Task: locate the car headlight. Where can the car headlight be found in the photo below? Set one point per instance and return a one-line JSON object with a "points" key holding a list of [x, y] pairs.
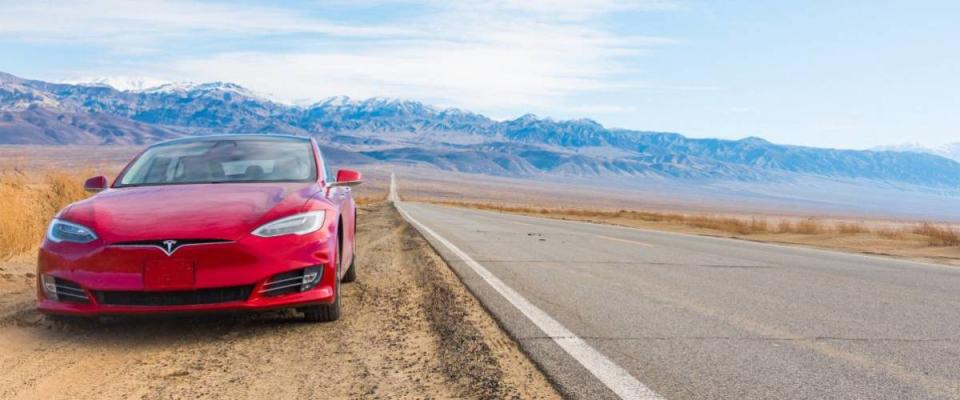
{"points": [[299, 224], [63, 231]]}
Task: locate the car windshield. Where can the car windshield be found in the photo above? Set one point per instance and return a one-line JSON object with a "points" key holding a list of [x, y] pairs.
{"points": [[223, 161]]}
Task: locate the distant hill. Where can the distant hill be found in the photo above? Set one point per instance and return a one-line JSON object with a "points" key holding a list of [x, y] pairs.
{"points": [[400, 131], [949, 150]]}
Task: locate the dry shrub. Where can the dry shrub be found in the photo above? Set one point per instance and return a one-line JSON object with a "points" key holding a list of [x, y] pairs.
{"points": [[364, 200], [809, 226], [18, 208], [892, 233], [723, 224], [26, 207], [658, 217], [59, 190], [758, 225], [785, 226], [938, 235], [852, 228]]}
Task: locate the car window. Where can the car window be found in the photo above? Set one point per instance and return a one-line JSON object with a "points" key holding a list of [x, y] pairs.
{"points": [[328, 175], [222, 161]]}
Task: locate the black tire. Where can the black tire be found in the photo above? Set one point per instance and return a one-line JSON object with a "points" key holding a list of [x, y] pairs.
{"points": [[326, 312], [351, 275]]}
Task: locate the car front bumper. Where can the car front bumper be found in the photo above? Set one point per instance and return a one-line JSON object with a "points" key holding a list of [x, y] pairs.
{"points": [[226, 276]]}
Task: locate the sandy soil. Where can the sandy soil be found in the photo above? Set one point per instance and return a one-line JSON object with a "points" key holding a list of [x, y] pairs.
{"points": [[409, 330]]}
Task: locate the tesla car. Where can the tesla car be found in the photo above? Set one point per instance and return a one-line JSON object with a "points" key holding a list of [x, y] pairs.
{"points": [[214, 223]]}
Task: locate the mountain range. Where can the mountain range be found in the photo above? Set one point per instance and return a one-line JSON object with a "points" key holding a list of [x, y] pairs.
{"points": [[948, 150], [410, 132]]}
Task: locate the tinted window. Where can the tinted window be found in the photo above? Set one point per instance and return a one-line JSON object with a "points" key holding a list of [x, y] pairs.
{"points": [[327, 174], [218, 161]]}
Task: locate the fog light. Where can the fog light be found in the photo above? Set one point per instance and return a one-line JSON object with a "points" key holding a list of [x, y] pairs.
{"points": [[311, 277], [49, 287]]}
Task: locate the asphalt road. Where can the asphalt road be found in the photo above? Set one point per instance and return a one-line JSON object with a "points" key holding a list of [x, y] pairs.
{"points": [[693, 317]]}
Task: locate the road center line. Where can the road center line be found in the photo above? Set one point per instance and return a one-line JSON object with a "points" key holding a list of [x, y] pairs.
{"points": [[610, 374]]}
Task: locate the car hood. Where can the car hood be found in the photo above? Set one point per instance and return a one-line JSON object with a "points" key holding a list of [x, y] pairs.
{"points": [[201, 211]]}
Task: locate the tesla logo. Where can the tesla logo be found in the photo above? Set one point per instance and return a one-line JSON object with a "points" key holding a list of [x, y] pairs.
{"points": [[169, 246]]}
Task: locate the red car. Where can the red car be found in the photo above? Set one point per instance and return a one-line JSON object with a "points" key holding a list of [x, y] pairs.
{"points": [[215, 223]]}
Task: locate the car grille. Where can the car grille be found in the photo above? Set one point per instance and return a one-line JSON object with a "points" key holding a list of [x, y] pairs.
{"points": [[169, 246], [70, 292], [161, 244], [177, 298]]}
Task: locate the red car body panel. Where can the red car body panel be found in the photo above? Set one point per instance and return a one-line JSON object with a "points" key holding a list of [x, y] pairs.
{"points": [[221, 217]]}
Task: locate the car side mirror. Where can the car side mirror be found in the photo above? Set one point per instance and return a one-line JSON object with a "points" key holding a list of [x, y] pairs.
{"points": [[96, 184], [347, 177]]}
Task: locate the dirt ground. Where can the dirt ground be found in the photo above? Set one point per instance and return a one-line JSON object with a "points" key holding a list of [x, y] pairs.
{"points": [[409, 330]]}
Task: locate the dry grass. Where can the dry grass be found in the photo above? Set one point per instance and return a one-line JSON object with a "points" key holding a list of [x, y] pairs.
{"points": [[938, 235], [28, 203], [935, 235], [365, 200], [852, 228]]}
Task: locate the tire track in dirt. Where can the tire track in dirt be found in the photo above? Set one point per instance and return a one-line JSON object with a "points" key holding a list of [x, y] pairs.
{"points": [[409, 330]]}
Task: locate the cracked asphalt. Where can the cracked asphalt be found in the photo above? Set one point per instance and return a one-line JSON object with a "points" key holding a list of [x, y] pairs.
{"points": [[705, 318]]}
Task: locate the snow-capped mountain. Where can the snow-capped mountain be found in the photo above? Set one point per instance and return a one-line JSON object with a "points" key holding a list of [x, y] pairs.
{"points": [[121, 83], [947, 150], [403, 131]]}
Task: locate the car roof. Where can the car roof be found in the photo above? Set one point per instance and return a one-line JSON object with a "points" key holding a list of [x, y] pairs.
{"points": [[234, 136]]}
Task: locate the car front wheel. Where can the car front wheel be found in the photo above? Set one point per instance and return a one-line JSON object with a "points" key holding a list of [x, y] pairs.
{"points": [[326, 312], [351, 275]]}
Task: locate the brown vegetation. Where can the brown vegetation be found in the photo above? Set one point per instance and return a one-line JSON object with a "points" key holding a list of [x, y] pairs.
{"points": [[367, 200], [28, 203], [938, 235]]}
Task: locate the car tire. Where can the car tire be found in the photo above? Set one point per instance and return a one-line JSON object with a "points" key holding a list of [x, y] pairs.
{"points": [[351, 275], [326, 312]]}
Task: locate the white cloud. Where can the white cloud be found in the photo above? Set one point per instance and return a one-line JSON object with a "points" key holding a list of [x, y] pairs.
{"points": [[562, 9], [488, 56], [121, 22]]}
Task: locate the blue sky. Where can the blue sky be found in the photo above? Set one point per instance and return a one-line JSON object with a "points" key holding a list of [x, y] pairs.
{"points": [[848, 74]]}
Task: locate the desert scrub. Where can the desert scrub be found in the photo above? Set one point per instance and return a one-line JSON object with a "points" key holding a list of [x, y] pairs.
{"points": [[938, 235], [367, 200], [27, 205]]}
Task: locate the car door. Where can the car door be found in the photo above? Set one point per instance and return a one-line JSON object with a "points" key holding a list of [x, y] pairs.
{"points": [[342, 197]]}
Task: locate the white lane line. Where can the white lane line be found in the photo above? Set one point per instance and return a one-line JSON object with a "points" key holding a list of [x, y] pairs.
{"points": [[393, 197], [610, 374]]}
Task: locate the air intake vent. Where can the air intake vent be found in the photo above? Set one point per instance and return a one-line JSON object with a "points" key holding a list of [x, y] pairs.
{"points": [[178, 298], [70, 292], [293, 281]]}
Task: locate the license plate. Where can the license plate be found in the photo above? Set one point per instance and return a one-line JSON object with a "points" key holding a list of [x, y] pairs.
{"points": [[168, 274]]}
